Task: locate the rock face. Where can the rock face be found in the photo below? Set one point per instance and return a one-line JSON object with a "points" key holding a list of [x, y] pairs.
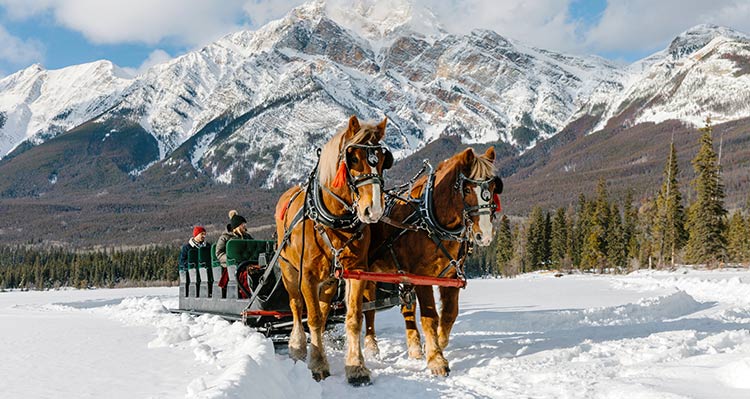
{"points": [[254, 105], [705, 71]]}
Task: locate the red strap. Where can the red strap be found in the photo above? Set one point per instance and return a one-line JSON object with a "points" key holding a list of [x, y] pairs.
{"points": [[497, 203]]}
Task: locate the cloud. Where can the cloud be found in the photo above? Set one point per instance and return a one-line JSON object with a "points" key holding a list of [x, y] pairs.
{"points": [[156, 57], [185, 22], [644, 25], [15, 51], [261, 12], [543, 23]]}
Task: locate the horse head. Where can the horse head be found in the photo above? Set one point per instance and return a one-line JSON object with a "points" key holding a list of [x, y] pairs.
{"points": [[480, 189], [359, 164]]}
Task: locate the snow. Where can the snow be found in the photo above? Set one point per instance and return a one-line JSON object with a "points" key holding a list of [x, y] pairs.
{"points": [[681, 334]]}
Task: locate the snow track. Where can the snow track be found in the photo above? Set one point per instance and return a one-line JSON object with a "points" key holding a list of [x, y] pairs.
{"points": [[649, 335]]}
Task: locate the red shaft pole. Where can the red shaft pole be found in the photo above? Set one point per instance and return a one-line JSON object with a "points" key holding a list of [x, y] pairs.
{"points": [[403, 278]]}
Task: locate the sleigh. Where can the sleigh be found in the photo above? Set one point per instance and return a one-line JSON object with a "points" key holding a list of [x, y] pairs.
{"points": [[254, 293]]}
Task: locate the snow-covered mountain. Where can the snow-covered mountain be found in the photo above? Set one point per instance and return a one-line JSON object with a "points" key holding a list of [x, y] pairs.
{"points": [[254, 105], [705, 71], [260, 101], [38, 104]]}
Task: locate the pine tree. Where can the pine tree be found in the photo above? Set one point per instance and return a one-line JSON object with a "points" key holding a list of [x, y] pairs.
{"points": [[535, 239], [630, 226], [706, 242], [616, 255], [738, 239], [504, 248], [546, 241], [595, 245], [559, 239], [669, 224]]}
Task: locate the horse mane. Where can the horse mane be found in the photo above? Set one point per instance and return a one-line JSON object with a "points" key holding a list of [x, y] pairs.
{"points": [[329, 156], [482, 168]]}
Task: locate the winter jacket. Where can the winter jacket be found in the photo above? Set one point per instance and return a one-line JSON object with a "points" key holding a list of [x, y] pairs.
{"points": [[221, 245], [191, 244]]}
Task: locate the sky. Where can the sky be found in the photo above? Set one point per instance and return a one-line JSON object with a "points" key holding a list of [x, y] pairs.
{"points": [[136, 34]]}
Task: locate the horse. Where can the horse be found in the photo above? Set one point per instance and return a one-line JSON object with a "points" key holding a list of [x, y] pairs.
{"points": [[333, 211], [429, 234]]}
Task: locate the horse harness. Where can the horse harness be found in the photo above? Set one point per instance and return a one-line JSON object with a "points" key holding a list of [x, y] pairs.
{"points": [[423, 217], [314, 208]]}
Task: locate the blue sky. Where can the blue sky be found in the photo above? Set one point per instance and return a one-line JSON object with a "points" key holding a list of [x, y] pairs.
{"points": [[138, 33]]}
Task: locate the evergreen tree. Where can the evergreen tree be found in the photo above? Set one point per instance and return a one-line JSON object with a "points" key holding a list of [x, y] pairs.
{"points": [[546, 241], [595, 245], [616, 250], [559, 239], [706, 242], [504, 248], [738, 239], [669, 224], [535, 239], [630, 226]]}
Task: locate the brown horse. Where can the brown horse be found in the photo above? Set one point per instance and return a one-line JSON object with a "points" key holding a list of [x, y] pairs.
{"points": [[323, 227], [461, 209]]}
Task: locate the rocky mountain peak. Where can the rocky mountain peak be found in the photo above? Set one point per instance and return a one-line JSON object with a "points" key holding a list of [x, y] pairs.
{"points": [[697, 37]]}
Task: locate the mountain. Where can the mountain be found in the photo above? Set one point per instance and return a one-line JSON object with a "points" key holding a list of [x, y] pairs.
{"points": [[111, 159], [37, 105], [624, 135], [256, 103], [704, 71]]}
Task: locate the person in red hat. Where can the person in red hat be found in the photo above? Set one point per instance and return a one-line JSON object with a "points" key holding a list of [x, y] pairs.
{"points": [[197, 241]]}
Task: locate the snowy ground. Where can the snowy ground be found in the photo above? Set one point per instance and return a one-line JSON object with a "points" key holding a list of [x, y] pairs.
{"points": [[647, 335]]}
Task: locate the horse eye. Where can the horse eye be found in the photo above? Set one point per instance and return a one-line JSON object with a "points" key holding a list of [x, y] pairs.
{"points": [[353, 159], [467, 190]]}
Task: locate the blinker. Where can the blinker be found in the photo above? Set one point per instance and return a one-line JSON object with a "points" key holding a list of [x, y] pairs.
{"points": [[372, 157]]}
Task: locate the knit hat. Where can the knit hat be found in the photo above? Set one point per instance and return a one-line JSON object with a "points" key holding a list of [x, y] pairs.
{"points": [[197, 230], [235, 220]]}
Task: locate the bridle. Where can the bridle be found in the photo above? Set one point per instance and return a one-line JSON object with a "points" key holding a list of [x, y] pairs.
{"points": [[372, 159], [490, 208]]}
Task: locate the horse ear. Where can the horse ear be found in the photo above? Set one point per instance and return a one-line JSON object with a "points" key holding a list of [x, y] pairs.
{"points": [[381, 128], [353, 126], [467, 156], [490, 153]]}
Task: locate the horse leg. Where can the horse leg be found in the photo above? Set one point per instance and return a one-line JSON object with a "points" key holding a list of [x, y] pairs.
{"points": [[429, 317], [371, 343], [326, 292], [297, 339], [413, 341], [448, 314], [356, 372], [318, 363]]}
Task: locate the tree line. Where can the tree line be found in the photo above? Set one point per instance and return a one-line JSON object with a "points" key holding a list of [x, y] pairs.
{"points": [[602, 235], [596, 234], [23, 267]]}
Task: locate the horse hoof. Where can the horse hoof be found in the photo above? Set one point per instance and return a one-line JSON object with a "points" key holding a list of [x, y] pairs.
{"points": [[321, 375], [441, 371], [358, 376], [362, 381]]}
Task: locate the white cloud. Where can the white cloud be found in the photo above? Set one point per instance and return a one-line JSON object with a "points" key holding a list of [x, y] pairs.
{"points": [[643, 25], [156, 57], [188, 22], [261, 12], [15, 51], [543, 23]]}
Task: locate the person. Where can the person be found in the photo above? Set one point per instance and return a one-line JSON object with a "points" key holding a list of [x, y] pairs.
{"points": [[197, 241], [236, 229]]}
